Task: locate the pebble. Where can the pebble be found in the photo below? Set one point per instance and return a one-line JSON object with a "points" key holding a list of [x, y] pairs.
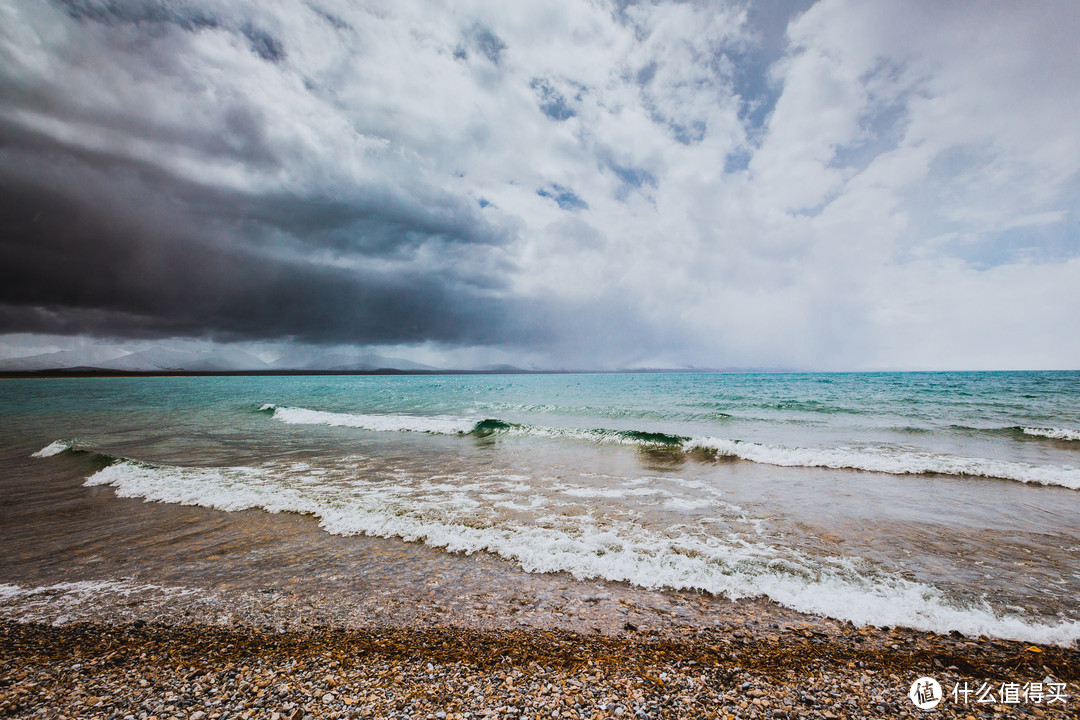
{"points": [[185, 670]]}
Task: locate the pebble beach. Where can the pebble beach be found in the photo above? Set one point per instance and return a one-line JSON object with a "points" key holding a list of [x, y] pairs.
{"points": [[235, 663], [539, 360]]}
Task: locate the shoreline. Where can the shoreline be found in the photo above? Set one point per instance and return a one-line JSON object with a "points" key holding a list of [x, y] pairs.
{"points": [[179, 669]]}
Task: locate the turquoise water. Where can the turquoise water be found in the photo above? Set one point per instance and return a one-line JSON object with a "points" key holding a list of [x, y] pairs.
{"points": [[933, 411], [937, 500]]}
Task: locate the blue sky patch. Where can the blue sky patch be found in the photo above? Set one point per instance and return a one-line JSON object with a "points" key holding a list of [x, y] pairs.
{"points": [[564, 197]]}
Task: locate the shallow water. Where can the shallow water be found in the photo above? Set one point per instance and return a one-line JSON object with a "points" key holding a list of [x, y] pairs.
{"points": [[940, 501]]}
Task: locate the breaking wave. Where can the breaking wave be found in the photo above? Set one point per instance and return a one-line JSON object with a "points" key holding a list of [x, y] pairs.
{"points": [[440, 425], [893, 462], [451, 425], [1053, 433], [53, 448], [615, 548]]}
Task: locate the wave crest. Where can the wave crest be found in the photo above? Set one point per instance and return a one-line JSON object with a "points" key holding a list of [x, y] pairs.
{"points": [[892, 462], [616, 549], [53, 448], [1053, 433], [437, 425]]}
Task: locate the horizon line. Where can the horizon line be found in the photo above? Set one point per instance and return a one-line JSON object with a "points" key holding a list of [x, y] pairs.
{"points": [[57, 373]]}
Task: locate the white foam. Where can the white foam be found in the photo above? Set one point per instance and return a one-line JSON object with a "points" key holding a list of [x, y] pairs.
{"points": [[610, 493], [606, 437], [54, 448], [686, 504], [10, 592], [613, 547], [84, 589], [68, 602], [894, 462], [229, 488], [1053, 433], [441, 425]]}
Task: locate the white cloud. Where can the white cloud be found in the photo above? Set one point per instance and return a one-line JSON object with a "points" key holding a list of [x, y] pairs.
{"points": [[898, 129]]}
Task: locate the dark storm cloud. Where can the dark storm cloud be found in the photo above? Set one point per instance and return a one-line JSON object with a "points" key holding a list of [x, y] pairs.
{"points": [[103, 245], [195, 169], [100, 237], [236, 129]]}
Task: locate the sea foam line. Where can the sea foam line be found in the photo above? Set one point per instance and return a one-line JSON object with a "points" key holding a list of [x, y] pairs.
{"points": [[83, 589], [69, 602], [616, 549], [893, 462], [453, 425], [1053, 433]]}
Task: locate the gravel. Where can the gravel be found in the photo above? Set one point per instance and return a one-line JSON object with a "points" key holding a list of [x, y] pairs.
{"points": [[196, 671]]}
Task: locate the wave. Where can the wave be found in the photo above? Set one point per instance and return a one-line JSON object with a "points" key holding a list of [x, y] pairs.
{"points": [[1014, 432], [53, 448], [75, 447], [439, 425], [451, 425], [611, 548], [599, 435], [687, 412], [893, 462], [1052, 433]]}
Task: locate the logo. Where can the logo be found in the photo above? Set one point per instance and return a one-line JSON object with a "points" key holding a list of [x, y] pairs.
{"points": [[925, 693]]}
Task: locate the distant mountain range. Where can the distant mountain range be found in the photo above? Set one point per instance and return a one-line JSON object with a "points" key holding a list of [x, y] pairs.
{"points": [[224, 359], [216, 360]]}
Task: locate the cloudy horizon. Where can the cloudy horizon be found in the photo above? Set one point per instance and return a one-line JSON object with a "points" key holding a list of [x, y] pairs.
{"points": [[829, 185]]}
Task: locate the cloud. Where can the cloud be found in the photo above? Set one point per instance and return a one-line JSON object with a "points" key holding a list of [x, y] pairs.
{"points": [[561, 183]]}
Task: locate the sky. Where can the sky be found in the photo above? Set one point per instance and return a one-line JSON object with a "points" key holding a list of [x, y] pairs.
{"points": [[836, 185]]}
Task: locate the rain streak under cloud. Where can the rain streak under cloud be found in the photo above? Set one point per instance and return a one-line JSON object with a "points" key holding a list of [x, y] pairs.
{"points": [[830, 185]]}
